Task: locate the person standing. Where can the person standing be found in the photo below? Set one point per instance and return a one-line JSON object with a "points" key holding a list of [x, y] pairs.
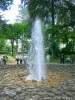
{"points": [[21, 59], [25, 60], [62, 58], [17, 59], [48, 58], [5, 59]]}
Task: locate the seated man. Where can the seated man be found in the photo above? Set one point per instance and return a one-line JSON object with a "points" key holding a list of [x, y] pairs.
{"points": [[68, 59]]}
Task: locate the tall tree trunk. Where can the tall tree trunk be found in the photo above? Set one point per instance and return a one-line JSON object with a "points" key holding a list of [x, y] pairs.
{"points": [[52, 27], [52, 12], [23, 49], [16, 45], [12, 43]]}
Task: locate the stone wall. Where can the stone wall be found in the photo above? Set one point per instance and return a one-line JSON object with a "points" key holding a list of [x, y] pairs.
{"points": [[11, 66], [63, 91], [61, 65], [48, 65]]}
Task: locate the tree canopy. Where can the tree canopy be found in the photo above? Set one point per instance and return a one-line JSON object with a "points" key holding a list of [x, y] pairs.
{"points": [[58, 18]]}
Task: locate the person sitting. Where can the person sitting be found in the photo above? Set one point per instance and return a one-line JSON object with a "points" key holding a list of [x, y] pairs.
{"points": [[48, 58], [68, 59]]}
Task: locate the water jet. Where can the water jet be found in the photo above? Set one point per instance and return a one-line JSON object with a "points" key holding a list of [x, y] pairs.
{"points": [[36, 59]]}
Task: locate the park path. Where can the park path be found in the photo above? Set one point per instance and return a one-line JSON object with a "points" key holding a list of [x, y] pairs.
{"points": [[12, 60]]}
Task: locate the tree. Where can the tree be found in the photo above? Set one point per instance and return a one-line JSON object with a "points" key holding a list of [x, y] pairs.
{"points": [[55, 13], [4, 5], [2, 27], [45, 9], [24, 35], [14, 31], [23, 18], [2, 44], [10, 35]]}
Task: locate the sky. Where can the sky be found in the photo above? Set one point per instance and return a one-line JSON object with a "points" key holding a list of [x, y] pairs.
{"points": [[12, 13]]}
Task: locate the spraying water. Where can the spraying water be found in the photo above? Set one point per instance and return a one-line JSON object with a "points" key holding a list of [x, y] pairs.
{"points": [[36, 59]]}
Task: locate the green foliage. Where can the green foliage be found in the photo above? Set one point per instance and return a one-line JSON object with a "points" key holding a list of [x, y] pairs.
{"points": [[54, 60], [2, 44], [69, 49], [15, 31], [39, 8], [59, 24], [2, 28]]}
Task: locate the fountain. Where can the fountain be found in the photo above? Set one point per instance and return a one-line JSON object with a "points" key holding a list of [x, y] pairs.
{"points": [[36, 61]]}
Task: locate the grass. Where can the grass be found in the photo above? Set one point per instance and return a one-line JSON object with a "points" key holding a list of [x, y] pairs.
{"points": [[14, 55], [57, 60], [54, 60]]}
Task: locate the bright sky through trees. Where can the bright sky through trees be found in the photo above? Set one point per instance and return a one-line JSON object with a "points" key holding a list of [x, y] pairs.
{"points": [[12, 12]]}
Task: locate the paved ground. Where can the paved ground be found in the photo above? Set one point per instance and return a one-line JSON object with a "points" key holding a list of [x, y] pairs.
{"points": [[60, 84]]}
